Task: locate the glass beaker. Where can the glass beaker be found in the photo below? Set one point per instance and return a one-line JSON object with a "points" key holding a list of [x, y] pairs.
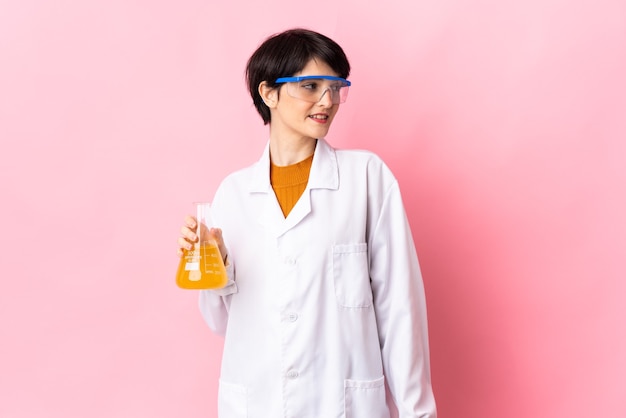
{"points": [[202, 267]]}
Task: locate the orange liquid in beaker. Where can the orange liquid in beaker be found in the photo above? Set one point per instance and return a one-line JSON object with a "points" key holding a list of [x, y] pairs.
{"points": [[201, 268]]}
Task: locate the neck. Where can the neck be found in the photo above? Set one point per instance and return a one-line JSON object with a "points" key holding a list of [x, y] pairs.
{"points": [[285, 152]]}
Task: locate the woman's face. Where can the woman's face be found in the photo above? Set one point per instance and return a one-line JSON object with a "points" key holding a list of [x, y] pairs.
{"points": [[298, 119]]}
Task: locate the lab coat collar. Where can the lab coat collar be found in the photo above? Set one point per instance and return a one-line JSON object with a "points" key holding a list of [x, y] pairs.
{"points": [[324, 170], [324, 175]]}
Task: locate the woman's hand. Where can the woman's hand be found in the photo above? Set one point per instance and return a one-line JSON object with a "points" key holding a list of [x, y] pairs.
{"points": [[188, 236]]}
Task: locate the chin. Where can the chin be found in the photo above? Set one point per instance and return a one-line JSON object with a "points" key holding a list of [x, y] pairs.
{"points": [[320, 133]]}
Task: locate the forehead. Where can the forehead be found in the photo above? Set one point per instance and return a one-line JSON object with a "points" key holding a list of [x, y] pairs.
{"points": [[317, 67]]}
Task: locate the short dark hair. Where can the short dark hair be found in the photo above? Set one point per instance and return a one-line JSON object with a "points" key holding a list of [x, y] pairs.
{"points": [[287, 53]]}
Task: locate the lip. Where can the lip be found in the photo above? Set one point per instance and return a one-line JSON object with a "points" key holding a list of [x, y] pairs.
{"points": [[320, 120]]}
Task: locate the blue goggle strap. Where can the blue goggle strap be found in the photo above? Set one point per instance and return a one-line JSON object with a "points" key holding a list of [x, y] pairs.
{"points": [[311, 77]]}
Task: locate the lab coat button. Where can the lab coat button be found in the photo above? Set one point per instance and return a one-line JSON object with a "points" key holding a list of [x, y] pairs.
{"points": [[292, 316], [289, 260], [292, 374]]}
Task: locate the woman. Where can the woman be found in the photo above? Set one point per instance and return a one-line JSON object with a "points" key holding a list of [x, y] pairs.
{"points": [[325, 302]]}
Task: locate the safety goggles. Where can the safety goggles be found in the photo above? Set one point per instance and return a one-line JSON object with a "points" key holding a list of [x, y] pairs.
{"points": [[311, 88]]}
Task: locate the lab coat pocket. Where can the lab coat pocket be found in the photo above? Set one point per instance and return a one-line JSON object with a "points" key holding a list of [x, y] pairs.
{"points": [[365, 398], [351, 275], [231, 401]]}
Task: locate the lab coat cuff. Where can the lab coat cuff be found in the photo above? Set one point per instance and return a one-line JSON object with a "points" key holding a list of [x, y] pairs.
{"points": [[231, 285]]}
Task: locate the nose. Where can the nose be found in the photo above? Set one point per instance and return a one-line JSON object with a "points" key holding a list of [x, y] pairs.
{"points": [[326, 100]]}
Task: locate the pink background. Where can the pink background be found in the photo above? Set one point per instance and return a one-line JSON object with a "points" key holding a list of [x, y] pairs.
{"points": [[505, 123]]}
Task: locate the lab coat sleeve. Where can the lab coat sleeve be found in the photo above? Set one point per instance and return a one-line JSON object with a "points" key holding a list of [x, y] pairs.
{"points": [[401, 310], [215, 303]]}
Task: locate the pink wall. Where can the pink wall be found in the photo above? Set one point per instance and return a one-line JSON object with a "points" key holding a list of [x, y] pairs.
{"points": [[505, 123]]}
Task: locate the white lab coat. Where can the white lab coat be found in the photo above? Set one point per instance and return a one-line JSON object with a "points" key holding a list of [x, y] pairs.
{"points": [[325, 307]]}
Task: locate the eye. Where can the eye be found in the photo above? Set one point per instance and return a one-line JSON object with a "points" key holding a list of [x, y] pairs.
{"points": [[309, 85]]}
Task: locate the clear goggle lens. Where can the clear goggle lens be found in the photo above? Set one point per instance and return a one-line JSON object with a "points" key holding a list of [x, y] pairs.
{"points": [[312, 88]]}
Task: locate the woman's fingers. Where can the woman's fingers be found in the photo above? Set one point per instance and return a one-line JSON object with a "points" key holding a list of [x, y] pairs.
{"points": [[184, 244], [190, 222], [188, 229], [187, 235]]}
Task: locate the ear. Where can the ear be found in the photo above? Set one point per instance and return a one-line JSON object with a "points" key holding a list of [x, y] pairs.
{"points": [[268, 94]]}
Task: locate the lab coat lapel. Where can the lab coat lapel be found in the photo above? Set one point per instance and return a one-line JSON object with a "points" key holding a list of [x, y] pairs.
{"points": [[324, 174], [270, 216], [298, 212]]}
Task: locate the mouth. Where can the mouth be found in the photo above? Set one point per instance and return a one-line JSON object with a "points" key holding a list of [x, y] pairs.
{"points": [[319, 117]]}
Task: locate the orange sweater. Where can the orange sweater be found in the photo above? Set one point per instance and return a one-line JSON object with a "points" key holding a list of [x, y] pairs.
{"points": [[289, 182]]}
